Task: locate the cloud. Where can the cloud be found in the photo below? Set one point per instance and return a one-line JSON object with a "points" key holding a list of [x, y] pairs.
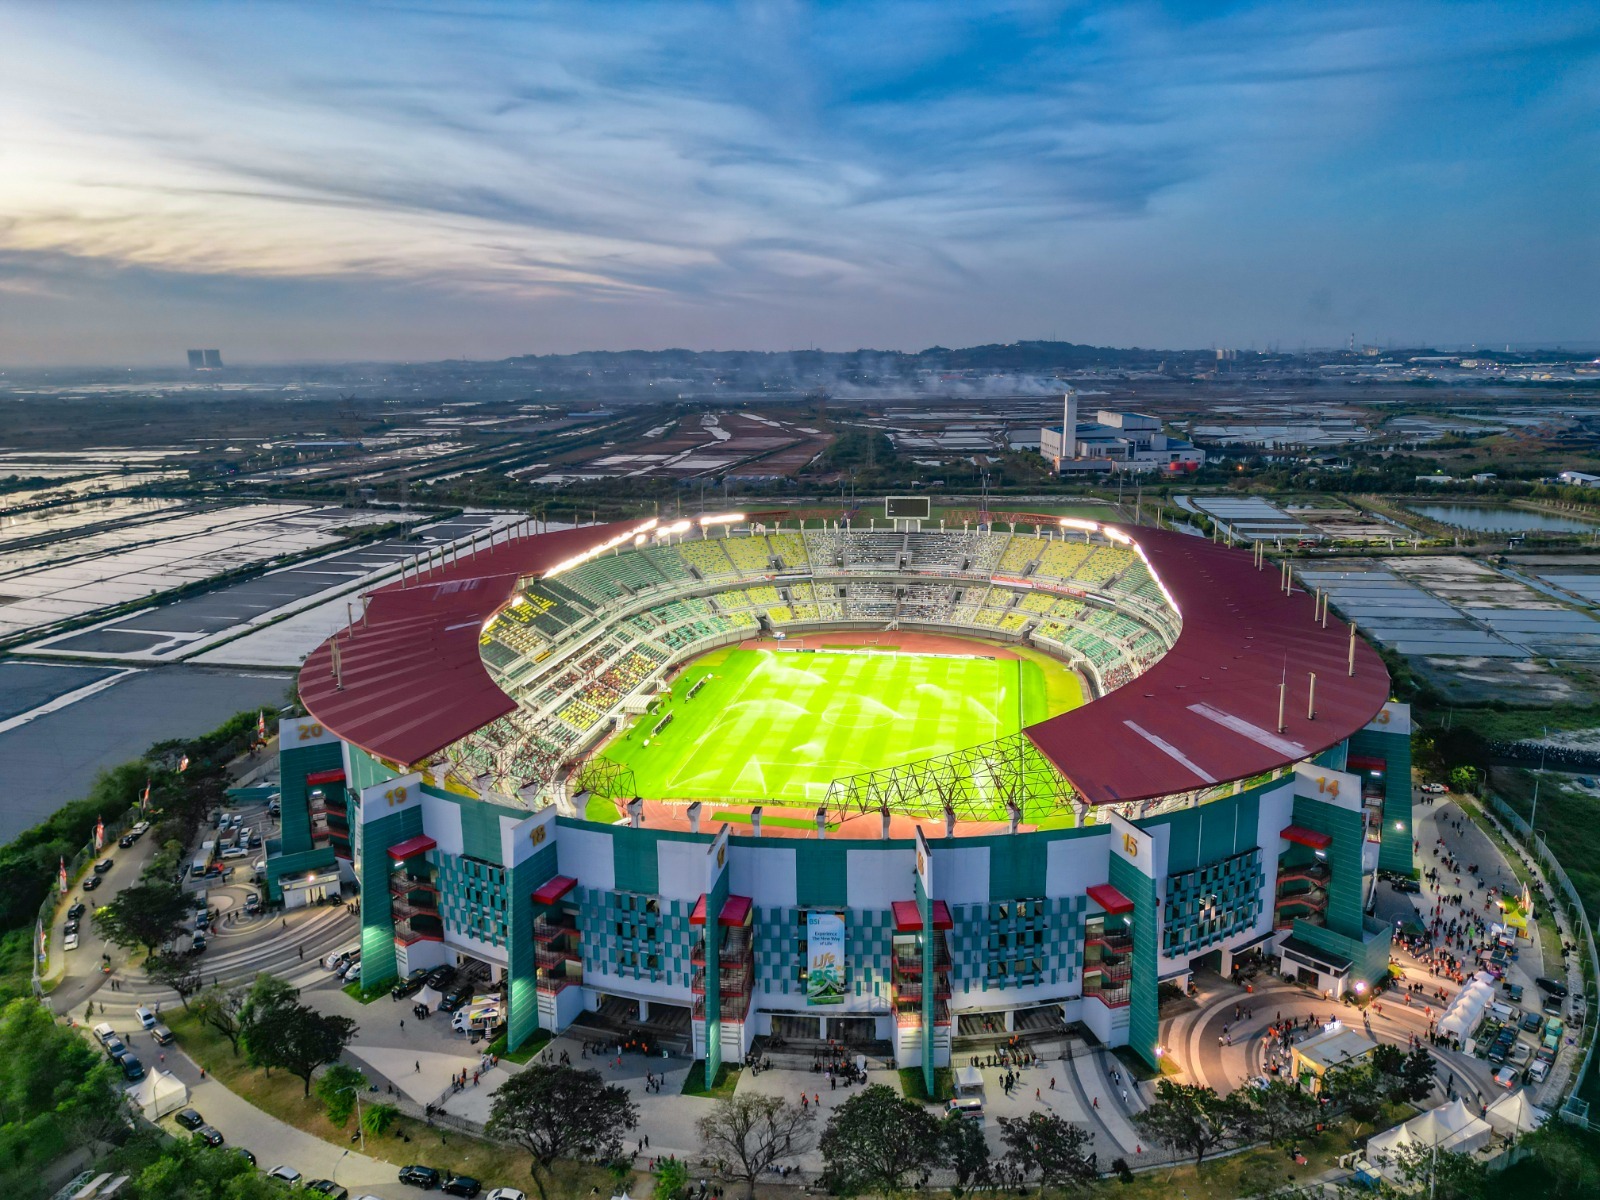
{"points": [[781, 157]]}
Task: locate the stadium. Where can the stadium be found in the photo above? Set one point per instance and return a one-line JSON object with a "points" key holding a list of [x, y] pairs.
{"points": [[750, 779]]}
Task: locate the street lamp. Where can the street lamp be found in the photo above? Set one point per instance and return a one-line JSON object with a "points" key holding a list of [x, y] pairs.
{"points": [[361, 1129]]}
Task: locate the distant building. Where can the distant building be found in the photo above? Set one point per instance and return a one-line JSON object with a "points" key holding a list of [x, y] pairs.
{"points": [[213, 359], [205, 360], [1119, 441], [1485, 477], [1436, 478], [1579, 479], [197, 359]]}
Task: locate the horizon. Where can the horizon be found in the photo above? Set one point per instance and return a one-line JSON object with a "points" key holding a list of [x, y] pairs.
{"points": [[300, 184]]}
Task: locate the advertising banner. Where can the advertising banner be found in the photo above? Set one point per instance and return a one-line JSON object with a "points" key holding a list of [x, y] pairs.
{"points": [[824, 958]]}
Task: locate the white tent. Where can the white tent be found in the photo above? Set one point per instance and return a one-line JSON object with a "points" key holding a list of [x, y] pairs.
{"points": [[969, 1079], [429, 997], [1453, 1127], [1468, 1006], [158, 1093], [1514, 1114]]}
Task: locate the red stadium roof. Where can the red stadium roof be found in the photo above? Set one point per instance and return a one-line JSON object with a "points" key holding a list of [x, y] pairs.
{"points": [[1206, 713], [413, 679]]}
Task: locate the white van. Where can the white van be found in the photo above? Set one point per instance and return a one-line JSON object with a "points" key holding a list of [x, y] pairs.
{"points": [[339, 957], [970, 1107], [146, 1017], [1505, 1013]]}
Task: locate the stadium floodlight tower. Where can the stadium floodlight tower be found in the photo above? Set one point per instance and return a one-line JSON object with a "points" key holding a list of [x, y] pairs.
{"points": [[908, 512]]}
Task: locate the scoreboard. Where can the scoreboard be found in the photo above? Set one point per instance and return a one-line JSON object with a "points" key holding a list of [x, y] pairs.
{"points": [[908, 508]]}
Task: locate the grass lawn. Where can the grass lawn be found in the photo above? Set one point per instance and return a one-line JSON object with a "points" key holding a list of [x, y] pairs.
{"points": [[944, 1084], [281, 1095], [694, 1083], [780, 726]]}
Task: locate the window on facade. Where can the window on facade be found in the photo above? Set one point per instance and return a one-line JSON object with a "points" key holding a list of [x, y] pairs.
{"points": [[652, 905]]}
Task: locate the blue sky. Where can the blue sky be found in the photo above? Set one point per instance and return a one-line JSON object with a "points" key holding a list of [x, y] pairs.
{"points": [[335, 181]]}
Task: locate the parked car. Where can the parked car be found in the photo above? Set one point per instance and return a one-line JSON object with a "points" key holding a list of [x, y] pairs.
{"points": [[75, 913], [116, 1048], [462, 1185], [1506, 1077], [70, 927], [235, 852], [209, 1134], [70, 942], [286, 1174], [252, 902], [1435, 789], [1521, 1055], [410, 984], [506, 1194], [132, 1068], [197, 943], [245, 1154], [338, 958], [1532, 1023], [1554, 986], [140, 828], [162, 1035], [255, 841], [104, 865], [422, 1177], [1514, 992], [441, 977], [329, 1188], [1538, 1069], [190, 1119], [1405, 885], [456, 997], [104, 1033], [146, 1018], [1553, 1005], [1585, 781], [91, 883], [126, 840]]}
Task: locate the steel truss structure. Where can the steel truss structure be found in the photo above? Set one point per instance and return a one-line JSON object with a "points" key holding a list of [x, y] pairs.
{"points": [[980, 783], [604, 778]]}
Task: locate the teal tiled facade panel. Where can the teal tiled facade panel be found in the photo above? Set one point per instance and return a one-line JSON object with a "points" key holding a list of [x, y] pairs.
{"points": [[295, 763], [473, 897], [1017, 943], [377, 915], [632, 935], [869, 946], [1346, 828], [1208, 905], [522, 1001], [1395, 852], [822, 876]]}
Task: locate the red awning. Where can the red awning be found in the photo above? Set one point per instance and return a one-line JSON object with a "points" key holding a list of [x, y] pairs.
{"points": [[1109, 899], [411, 847], [735, 911], [553, 889], [1358, 762], [317, 778], [698, 916], [1300, 835], [908, 918]]}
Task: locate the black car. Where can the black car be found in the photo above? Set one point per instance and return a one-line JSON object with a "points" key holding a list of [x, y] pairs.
{"points": [[410, 984], [132, 1068], [70, 927], [1554, 986], [455, 998], [329, 1188], [209, 1134], [1406, 885], [92, 882], [104, 865], [115, 1048], [462, 1185], [75, 913], [126, 840], [245, 1154], [441, 977], [422, 1177]]}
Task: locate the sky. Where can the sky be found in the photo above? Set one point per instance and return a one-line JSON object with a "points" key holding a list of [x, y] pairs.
{"points": [[411, 181]]}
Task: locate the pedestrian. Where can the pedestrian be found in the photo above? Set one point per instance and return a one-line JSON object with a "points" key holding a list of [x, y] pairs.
{"points": [[418, 1065], [1097, 1101], [402, 1024], [1036, 1094]]}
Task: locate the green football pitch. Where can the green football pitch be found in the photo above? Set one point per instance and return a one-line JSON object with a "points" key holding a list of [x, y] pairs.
{"points": [[781, 725]]}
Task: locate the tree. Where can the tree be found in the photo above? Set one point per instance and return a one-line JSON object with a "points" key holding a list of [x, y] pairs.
{"points": [[1356, 1089], [554, 1111], [337, 1088], [57, 1094], [1443, 1174], [299, 1039], [876, 1142], [1414, 1080], [220, 1007], [1044, 1145], [1193, 1119], [671, 1178], [751, 1134], [964, 1152], [147, 914], [175, 971], [266, 994], [1282, 1112]]}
